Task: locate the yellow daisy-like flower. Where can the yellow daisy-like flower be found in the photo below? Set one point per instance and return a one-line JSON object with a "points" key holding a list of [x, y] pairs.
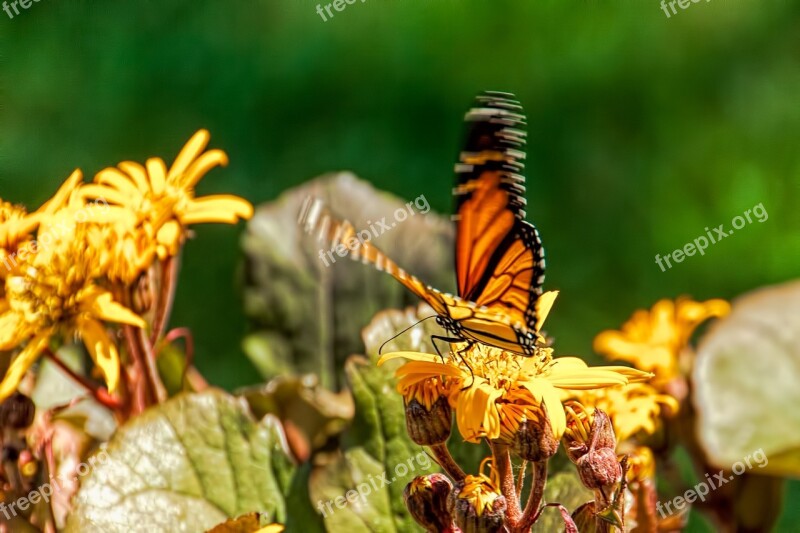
{"points": [[492, 390], [632, 408], [17, 225], [163, 199], [653, 340], [481, 492], [53, 292]]}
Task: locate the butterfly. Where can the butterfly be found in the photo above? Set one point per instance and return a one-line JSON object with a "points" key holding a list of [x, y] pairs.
{"points": [[499, 258]]}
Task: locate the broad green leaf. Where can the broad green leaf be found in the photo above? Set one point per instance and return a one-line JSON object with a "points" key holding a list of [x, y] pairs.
{"points": [[411, 330], [307, 315], [186, 465], [376, 461], [745, 383]]}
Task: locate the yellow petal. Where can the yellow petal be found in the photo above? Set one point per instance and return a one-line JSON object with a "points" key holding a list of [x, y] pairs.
{"points": [[10, 331], [555, 412], [412, 356], [272, 528], [101, 349], [59, 199], [119, 181], [223, 208], [22, 363], [138, 175], [157, 171], [102, 306], [109, 194], [169, 236], [543, 305], [202, 165], [188, 153]]}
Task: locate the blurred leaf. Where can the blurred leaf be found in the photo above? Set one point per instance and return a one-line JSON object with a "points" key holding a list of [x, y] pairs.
{"points": [[308, 315], [55, 389], [310, 414], [171, 367], [564, 488], [195, 461], [745, 383]]}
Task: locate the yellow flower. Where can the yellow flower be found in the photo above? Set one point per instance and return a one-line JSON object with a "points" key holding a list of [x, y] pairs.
{"points": [[642, 464], [17, 225], [53, 292], [481, 492], [632, 408], [163, 199], [653, 340], [493, 391]]}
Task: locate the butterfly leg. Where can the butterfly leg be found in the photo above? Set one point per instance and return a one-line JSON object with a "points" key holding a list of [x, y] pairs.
{"points": [[461, 355], [435, 338]]}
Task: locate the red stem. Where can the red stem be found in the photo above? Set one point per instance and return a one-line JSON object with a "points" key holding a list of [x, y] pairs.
{"points": [[166, 297], [532, 508], [446, 461], [502, 464], [98, 393]]}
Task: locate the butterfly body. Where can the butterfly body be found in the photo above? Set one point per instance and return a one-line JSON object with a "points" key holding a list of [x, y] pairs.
{"points": [[499, 255]]}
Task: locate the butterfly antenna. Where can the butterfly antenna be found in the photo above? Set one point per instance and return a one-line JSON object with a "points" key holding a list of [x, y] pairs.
{"points": [[380, 350]]}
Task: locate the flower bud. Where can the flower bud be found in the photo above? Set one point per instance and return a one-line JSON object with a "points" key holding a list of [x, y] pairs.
{"points": [[591, 446], [426, 500], [429, 427], [17, 411], [599, 468], [534, 440], [477, 506]]}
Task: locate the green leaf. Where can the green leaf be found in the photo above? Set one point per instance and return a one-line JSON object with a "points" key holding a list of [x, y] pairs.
{"points": [[565, 488], [404, 331], [376, 461], [308, 316], [188, 464]]}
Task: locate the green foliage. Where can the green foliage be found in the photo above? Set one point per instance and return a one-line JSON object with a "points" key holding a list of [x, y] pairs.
{"points": [[195, 461], [309, 311]]}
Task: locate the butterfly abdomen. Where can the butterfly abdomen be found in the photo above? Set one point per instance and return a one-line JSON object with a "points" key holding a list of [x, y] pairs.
{"points": [[316, 220]]}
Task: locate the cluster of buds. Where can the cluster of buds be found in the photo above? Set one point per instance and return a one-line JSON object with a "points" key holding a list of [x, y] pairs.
{"points": [[473, 505], [590, 443]]}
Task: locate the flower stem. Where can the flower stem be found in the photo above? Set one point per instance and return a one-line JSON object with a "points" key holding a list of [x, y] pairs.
{"points": [[166, 297], [98, 393], [139, 382], [151, 367], [521, 478], [532, 508], [502, 465], [446, 461]]}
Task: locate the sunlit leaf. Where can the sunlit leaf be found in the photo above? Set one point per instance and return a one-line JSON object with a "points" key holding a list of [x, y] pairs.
{"points": [[186, 465]]}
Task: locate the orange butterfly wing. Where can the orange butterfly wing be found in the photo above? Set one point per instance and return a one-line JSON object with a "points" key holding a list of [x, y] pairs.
{"points": [[499, 256]]}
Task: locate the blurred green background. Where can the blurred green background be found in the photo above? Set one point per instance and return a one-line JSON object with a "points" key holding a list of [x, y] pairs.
{"points": [[643, 129]]}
